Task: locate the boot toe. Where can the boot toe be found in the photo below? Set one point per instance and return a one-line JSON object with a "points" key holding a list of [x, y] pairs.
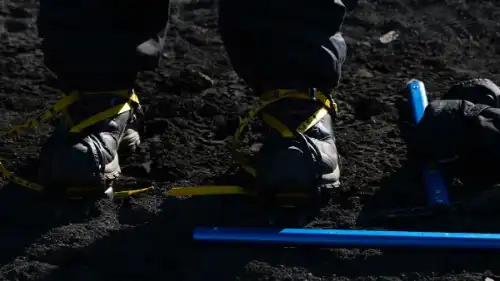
{"points": [[287, 169], [65, 166]]}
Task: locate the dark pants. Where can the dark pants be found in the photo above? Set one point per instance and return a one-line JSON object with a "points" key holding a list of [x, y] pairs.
{"points": [[93, 44]]}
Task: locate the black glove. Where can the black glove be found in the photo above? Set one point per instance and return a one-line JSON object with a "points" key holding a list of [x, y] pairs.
{"points": [[479, 90], [441, 134]]}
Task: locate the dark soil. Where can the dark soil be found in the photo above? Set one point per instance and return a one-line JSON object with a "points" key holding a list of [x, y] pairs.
{"points": [[192, 104]]}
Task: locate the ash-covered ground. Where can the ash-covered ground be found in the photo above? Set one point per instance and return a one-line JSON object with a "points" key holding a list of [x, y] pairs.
{"points": [[192, 106]]}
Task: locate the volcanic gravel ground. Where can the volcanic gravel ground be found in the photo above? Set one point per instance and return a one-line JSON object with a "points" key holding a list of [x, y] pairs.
{"points": [[192, 106]]}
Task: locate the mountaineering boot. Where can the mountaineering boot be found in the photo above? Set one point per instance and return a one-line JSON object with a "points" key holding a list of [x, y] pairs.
{"points": [[298, 153], [81, 156]]}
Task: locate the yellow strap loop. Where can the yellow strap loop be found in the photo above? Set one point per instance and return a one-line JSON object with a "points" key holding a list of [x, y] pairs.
{"points": [[312, 120], [110, 113], [276, 124]]}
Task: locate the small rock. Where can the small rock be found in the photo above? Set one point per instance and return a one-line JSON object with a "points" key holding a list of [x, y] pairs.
{"points": [[364, 73], [389, 37], [206, 78], [489, 279]]}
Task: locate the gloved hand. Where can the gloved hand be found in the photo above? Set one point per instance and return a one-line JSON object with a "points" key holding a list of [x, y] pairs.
{"points": [[478, 90], [460, 133], [442, 132], [462, 137]]}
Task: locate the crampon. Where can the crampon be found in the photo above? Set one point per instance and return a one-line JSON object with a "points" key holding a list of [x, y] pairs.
{"points": [[54, 112]]}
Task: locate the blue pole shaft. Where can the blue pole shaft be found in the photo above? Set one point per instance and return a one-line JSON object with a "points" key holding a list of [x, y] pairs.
{"points": [[434, 182], [350, 238]]}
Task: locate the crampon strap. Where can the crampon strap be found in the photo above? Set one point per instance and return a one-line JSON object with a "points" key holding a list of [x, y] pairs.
{"points": [[268, 98], [328, 106], [55, 111]]}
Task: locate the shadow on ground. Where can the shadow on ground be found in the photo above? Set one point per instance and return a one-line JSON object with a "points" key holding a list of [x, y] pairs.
{"points": [[26, 216], [142, 250], [146, 242]]}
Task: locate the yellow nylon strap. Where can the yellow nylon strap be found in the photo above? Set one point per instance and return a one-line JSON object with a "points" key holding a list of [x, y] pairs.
{"points": [[207, 190], [51, 113], [110, 113], [274, 96], [127, 193], [17, 180], [302, 128], [283, 93], [312, 120], [210, 190], [271, 97], [276, 124]]}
